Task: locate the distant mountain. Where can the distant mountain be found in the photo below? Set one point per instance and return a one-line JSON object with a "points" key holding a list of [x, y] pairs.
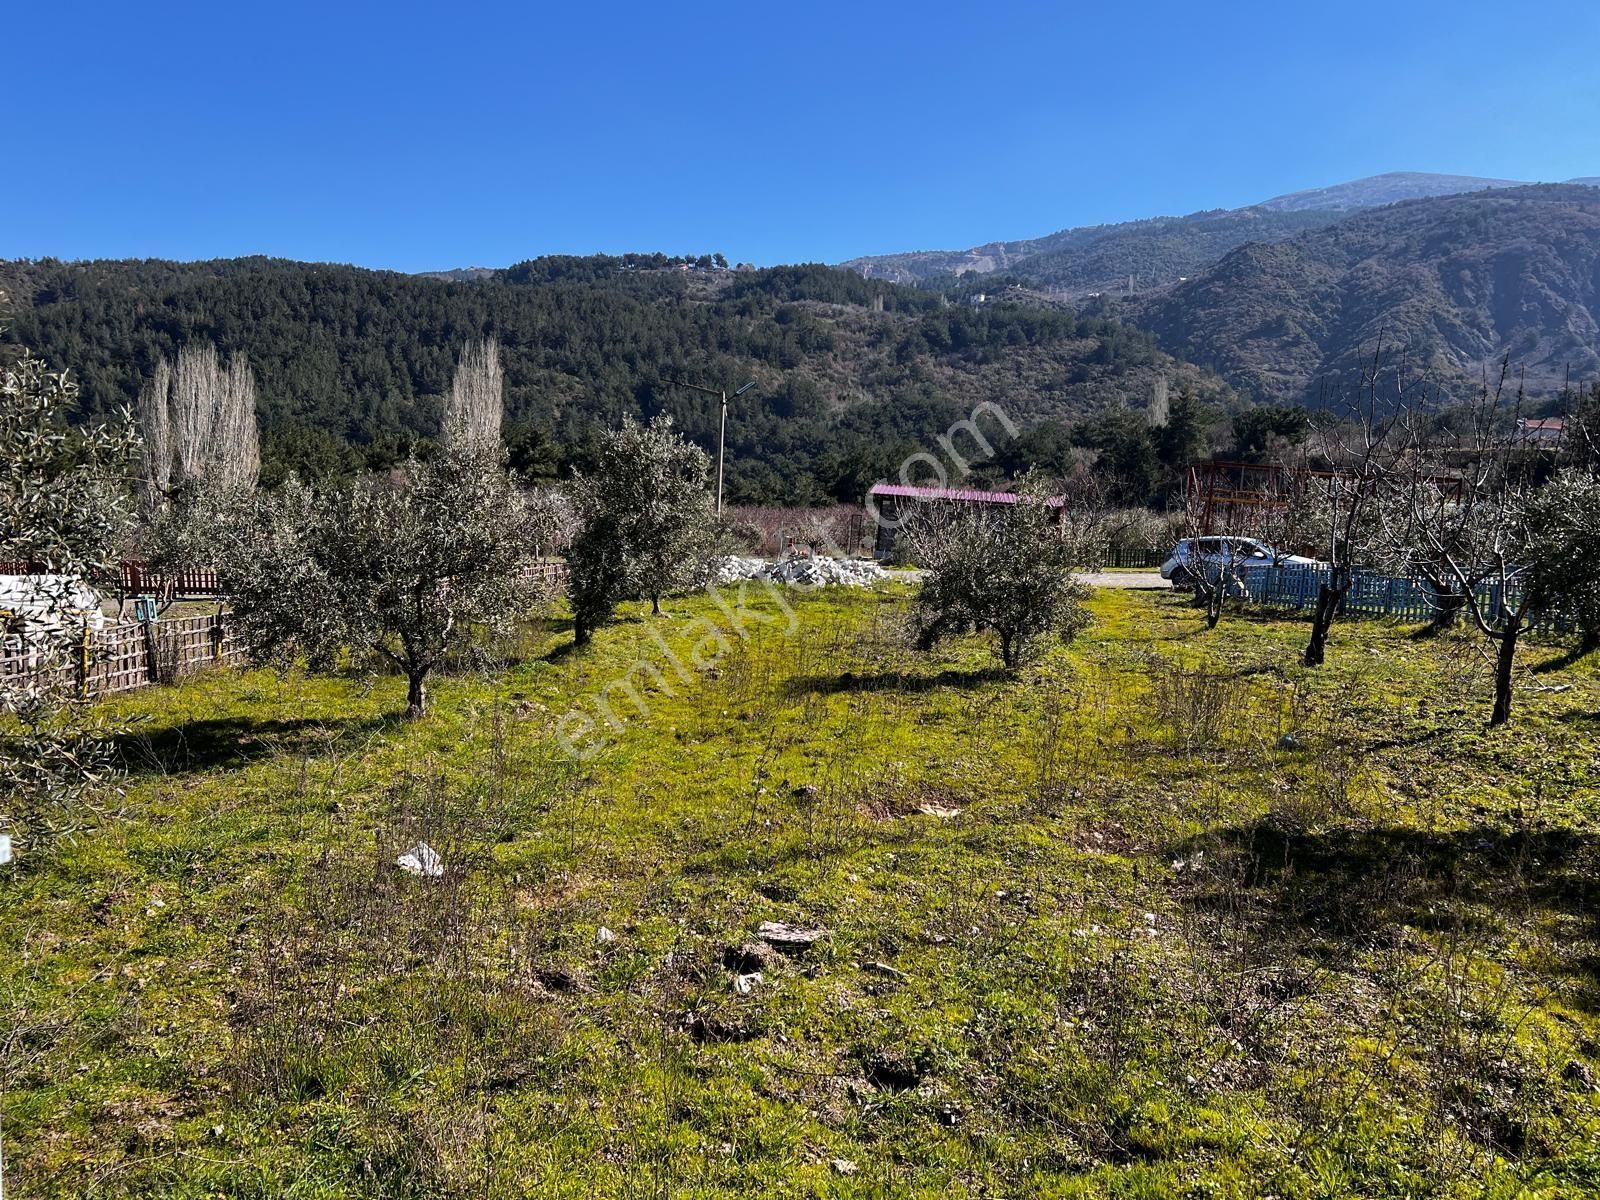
{"points": [[1383, 189], [1453, 283], [1100, 258], [1160, 251], [922, 266], [460, 274]]}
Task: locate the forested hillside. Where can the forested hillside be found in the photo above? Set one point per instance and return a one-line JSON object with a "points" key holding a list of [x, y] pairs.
{"points": [[1453, 284], [853, 374]]}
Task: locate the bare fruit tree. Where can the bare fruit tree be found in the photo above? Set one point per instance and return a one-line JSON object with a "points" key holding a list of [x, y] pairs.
{"points": [[548, 520], [1087, 520], [1342, 501], [1464, 512], [1565, 523], [1216, 572]]}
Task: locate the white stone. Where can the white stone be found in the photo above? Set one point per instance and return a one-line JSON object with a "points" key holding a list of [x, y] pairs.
{"points": [[421, 860]]}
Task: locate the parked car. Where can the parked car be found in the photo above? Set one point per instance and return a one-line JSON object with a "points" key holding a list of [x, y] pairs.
{"points": [[1211, 556]]}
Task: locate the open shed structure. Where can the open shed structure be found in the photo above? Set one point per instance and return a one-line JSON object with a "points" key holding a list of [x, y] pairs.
{"points": [[892, 503]]}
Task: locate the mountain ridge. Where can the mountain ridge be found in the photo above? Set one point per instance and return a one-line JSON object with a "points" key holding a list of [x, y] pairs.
{"points": [[1452, 283], [1158, 245], [1390, 187]]}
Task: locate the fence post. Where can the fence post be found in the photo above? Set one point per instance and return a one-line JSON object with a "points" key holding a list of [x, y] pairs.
{"points": [[216, 640], [152, 667], [83, 662]]}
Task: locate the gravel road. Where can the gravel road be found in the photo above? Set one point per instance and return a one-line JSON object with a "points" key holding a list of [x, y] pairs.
{"points": [[1125, 579], [1107, 579]]}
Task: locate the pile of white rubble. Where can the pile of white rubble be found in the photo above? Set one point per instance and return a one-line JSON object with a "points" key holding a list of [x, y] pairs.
{"points": [[819, 571]]}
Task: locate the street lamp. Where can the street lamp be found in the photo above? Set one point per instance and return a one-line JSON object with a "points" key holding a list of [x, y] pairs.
{"points": [[722, 422]]}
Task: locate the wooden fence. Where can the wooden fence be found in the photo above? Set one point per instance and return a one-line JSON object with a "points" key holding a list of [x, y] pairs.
{"points": [[121, 657], [137, 579], [1122, 558], [550, 572], [1400, 597], [136, 654]]}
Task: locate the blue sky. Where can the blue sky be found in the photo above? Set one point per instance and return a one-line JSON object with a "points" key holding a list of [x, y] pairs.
{"points": [[417, 136]]}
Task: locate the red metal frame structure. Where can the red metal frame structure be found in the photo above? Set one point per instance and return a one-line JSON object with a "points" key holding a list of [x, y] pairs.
{"points": [[1225, 494], [1226, 489]]}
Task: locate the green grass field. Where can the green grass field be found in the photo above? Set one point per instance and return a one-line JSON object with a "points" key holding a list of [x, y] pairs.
{"points": [[1165, 915]]}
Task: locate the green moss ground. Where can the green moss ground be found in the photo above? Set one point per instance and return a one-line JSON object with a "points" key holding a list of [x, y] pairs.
{"points": [[1166, 915]]}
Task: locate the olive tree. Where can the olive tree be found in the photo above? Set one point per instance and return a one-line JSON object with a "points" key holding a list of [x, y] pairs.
{"points": [[643, 510], [65, 508], [403, 567], [1003, 569]]}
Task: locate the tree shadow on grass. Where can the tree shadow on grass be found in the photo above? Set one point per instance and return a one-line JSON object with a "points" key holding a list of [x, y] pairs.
{"points": [[1349, 890], [1258, 616], [1409, 740], [232, 743], [1562, 661], [559, 625], [849, 681], [560, 652]]}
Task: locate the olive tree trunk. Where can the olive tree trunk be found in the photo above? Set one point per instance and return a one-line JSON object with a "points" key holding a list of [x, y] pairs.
{"points": [[416, 692]]}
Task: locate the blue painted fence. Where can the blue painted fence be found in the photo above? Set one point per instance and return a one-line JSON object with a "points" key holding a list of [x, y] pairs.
{"points": [[1399, 597]]}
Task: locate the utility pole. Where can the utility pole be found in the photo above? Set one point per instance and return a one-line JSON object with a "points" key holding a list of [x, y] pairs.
{"points": [[722, 422]]}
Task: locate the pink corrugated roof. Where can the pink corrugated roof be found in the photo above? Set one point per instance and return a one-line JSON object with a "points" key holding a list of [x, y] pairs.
{"points": [[962, 495]]}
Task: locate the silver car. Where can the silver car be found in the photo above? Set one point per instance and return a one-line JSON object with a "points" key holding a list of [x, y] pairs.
{"points": [[1209, 557]]}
